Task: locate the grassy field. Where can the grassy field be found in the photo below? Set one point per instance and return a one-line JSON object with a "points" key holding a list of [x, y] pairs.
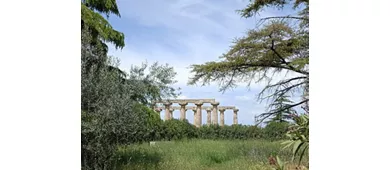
{"points": [[202, 154]]}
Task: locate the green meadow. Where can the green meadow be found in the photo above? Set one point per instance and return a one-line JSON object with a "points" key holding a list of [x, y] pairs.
{"points": [[202, 154]]}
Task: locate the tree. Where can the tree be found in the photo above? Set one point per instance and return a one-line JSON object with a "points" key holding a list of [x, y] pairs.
{"points": [[279, 44], [281, 115], [101, 31], [152, 86], [113, 106], [97, 25]]}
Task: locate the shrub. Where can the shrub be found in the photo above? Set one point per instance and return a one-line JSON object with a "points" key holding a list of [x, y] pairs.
{"points": [[175, 129], [229, 132], [154, 126], [298, 135], [275, 130], [102, 132]]}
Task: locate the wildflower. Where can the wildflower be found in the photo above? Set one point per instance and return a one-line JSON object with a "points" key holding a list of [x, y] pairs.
{"points": [[272, 160]]}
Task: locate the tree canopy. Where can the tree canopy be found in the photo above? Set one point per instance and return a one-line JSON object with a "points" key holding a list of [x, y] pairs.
{"points": [[100, 29], [279, 44], [100, 32]]}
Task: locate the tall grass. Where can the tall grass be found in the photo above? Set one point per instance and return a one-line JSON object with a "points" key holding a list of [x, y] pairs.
{"points": [[201, 154]]}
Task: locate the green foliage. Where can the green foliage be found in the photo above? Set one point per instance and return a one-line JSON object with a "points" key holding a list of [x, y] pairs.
{"points": [[158, 130], [299, 137], [176, 129], [277, 113], [97, 25], [280, 165], [257, 5], [112, 113], [201, 154], [114, 103], [154, 126], [98, 31], [113, 123], [275, 130], [211, 158], [104, 6], [155, 85], [230, 132]]}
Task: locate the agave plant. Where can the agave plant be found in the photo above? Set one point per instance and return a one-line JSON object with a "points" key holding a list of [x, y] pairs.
{"points": [[298, 136]]}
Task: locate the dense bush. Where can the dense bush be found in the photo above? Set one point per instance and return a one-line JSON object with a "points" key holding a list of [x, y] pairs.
{"points": [[230, 132], [154, 126], [276, 130], [102, 133], [110, 119], [109, 116], [175, 130]]}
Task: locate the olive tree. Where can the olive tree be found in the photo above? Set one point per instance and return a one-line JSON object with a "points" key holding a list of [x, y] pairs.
{"points": [[114, 110]]}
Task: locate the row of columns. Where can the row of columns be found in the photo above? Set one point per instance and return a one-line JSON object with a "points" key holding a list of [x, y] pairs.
{"points": [[212, 113]]}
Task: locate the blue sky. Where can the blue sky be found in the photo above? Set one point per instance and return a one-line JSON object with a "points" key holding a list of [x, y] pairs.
{"points": [[185, 32]]}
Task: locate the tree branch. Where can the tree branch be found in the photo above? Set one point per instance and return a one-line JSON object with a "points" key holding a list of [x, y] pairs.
{"points": [[287, 81], [284, 61], [278, 92], [262, 20], [285, 17], [277, 111], [248, 65]]}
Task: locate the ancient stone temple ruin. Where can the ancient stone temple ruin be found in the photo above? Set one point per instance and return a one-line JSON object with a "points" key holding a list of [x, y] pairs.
{"points": [[212, 111]]}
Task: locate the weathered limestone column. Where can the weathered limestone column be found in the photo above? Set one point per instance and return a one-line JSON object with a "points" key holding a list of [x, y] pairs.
{"points": [[195, 117], [235, 120], [183, 110], [185, 114], [208, 116], [171, 110], [167, 111], [214, 117], [198, 113], [222, 117]]}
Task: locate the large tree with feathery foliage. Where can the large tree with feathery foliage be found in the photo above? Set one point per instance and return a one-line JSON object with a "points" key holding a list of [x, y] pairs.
{"points": [[277, 45]]}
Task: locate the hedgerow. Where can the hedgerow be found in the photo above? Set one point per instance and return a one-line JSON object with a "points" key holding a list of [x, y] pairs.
{"points": [[176, 130]]}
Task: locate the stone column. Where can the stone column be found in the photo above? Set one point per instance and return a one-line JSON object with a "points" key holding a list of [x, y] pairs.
{"points": [[183, 110], [235, 120], [195, 117], [214, 117], [199, 113], [167, 111], [185, 117], [208, 116], [171, 110], [222, 117]]}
